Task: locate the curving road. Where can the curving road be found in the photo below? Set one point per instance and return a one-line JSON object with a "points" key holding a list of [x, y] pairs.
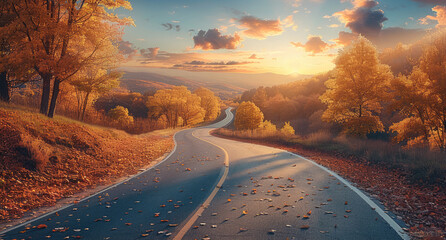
{"points": [[213, 188]]}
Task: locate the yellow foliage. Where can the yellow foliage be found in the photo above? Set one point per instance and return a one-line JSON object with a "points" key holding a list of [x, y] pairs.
{"points": [[60, 38], [287, 129], [248, 116], [268, 127], [359, 86], [121, 115], [421, 97], [209, 102], [177, 103], [411, 130]]}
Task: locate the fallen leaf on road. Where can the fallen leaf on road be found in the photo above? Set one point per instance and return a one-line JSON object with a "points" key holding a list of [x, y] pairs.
{"points": [[304, 227], [41, 226]]}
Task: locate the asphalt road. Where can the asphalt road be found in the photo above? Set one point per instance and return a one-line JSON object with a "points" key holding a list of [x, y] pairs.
{"points": [[213, 188]]}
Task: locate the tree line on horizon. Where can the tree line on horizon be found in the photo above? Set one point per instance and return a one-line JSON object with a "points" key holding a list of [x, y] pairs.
{"points": [[399, 93]]}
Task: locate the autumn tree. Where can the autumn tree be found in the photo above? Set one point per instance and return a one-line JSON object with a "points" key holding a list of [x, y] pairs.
{"points": [[209, 102], [178, 106], [120, 115], [260, 97], [248, 116], [90, 82], [191, 111], [62, 37], [421, 97], [359, 86], [287, 129], [13, 72], [5, 19]]}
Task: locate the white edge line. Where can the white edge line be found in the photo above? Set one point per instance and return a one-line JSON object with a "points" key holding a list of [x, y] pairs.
{"points": [[194, 216], [369, 201], [95, 194]]}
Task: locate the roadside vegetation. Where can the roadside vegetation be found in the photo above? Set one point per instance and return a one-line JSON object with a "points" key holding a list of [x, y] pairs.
{"points": [[363, 109], [378, 119]]}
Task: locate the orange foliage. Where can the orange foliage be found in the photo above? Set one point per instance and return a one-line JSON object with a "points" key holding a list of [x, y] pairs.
{"points": [[43, 160], [359, 86]]}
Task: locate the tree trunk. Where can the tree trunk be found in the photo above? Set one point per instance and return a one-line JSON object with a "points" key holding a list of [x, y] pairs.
{"points": [[56, 89], [46, 88], [4, 87], [84, 107]]}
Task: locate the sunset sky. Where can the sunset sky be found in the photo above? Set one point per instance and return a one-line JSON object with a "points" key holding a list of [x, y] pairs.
{"points": [[267, 36]]}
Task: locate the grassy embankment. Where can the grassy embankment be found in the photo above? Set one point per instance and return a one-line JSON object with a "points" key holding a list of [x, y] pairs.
{"points": [[43, 160]]}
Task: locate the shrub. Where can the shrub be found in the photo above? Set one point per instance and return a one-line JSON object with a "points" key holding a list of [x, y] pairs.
{"points": [[287, 130], [121, 115], [36, 150]]}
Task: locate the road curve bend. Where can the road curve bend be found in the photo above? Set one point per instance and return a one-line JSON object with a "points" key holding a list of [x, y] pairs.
{"points": [[214, 188]]}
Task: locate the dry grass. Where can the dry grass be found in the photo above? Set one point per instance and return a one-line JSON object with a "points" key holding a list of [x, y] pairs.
{"points": [[424, 166], [36, 150], [43, 159]]}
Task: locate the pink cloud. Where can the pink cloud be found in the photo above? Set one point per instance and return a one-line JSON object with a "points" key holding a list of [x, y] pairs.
{"points": [[315, 44], [440, 17]]}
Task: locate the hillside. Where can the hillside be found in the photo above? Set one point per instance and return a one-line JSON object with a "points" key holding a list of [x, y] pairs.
{"points": [[43, 160], [143, 82]]}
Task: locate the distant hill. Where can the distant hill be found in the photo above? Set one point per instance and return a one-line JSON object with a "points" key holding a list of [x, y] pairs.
{"points": [[225, 85], [143, 82]]}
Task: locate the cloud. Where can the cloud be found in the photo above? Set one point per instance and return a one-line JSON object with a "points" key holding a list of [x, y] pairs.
{"points": [[170, 26], [388, 37], [254, 56], [260, 28], [363, 18], [150, 53], [315, 44], [212, 39], [197, 61], [296, 3], [440, 17], [345, 38], [127, 48]]}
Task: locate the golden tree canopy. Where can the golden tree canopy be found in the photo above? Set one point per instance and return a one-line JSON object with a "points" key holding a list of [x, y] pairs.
{"points": [[248, 116], [287, 129], [121, 115], [359, 86], [209, 102], [421, 97], [175, 104]]}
